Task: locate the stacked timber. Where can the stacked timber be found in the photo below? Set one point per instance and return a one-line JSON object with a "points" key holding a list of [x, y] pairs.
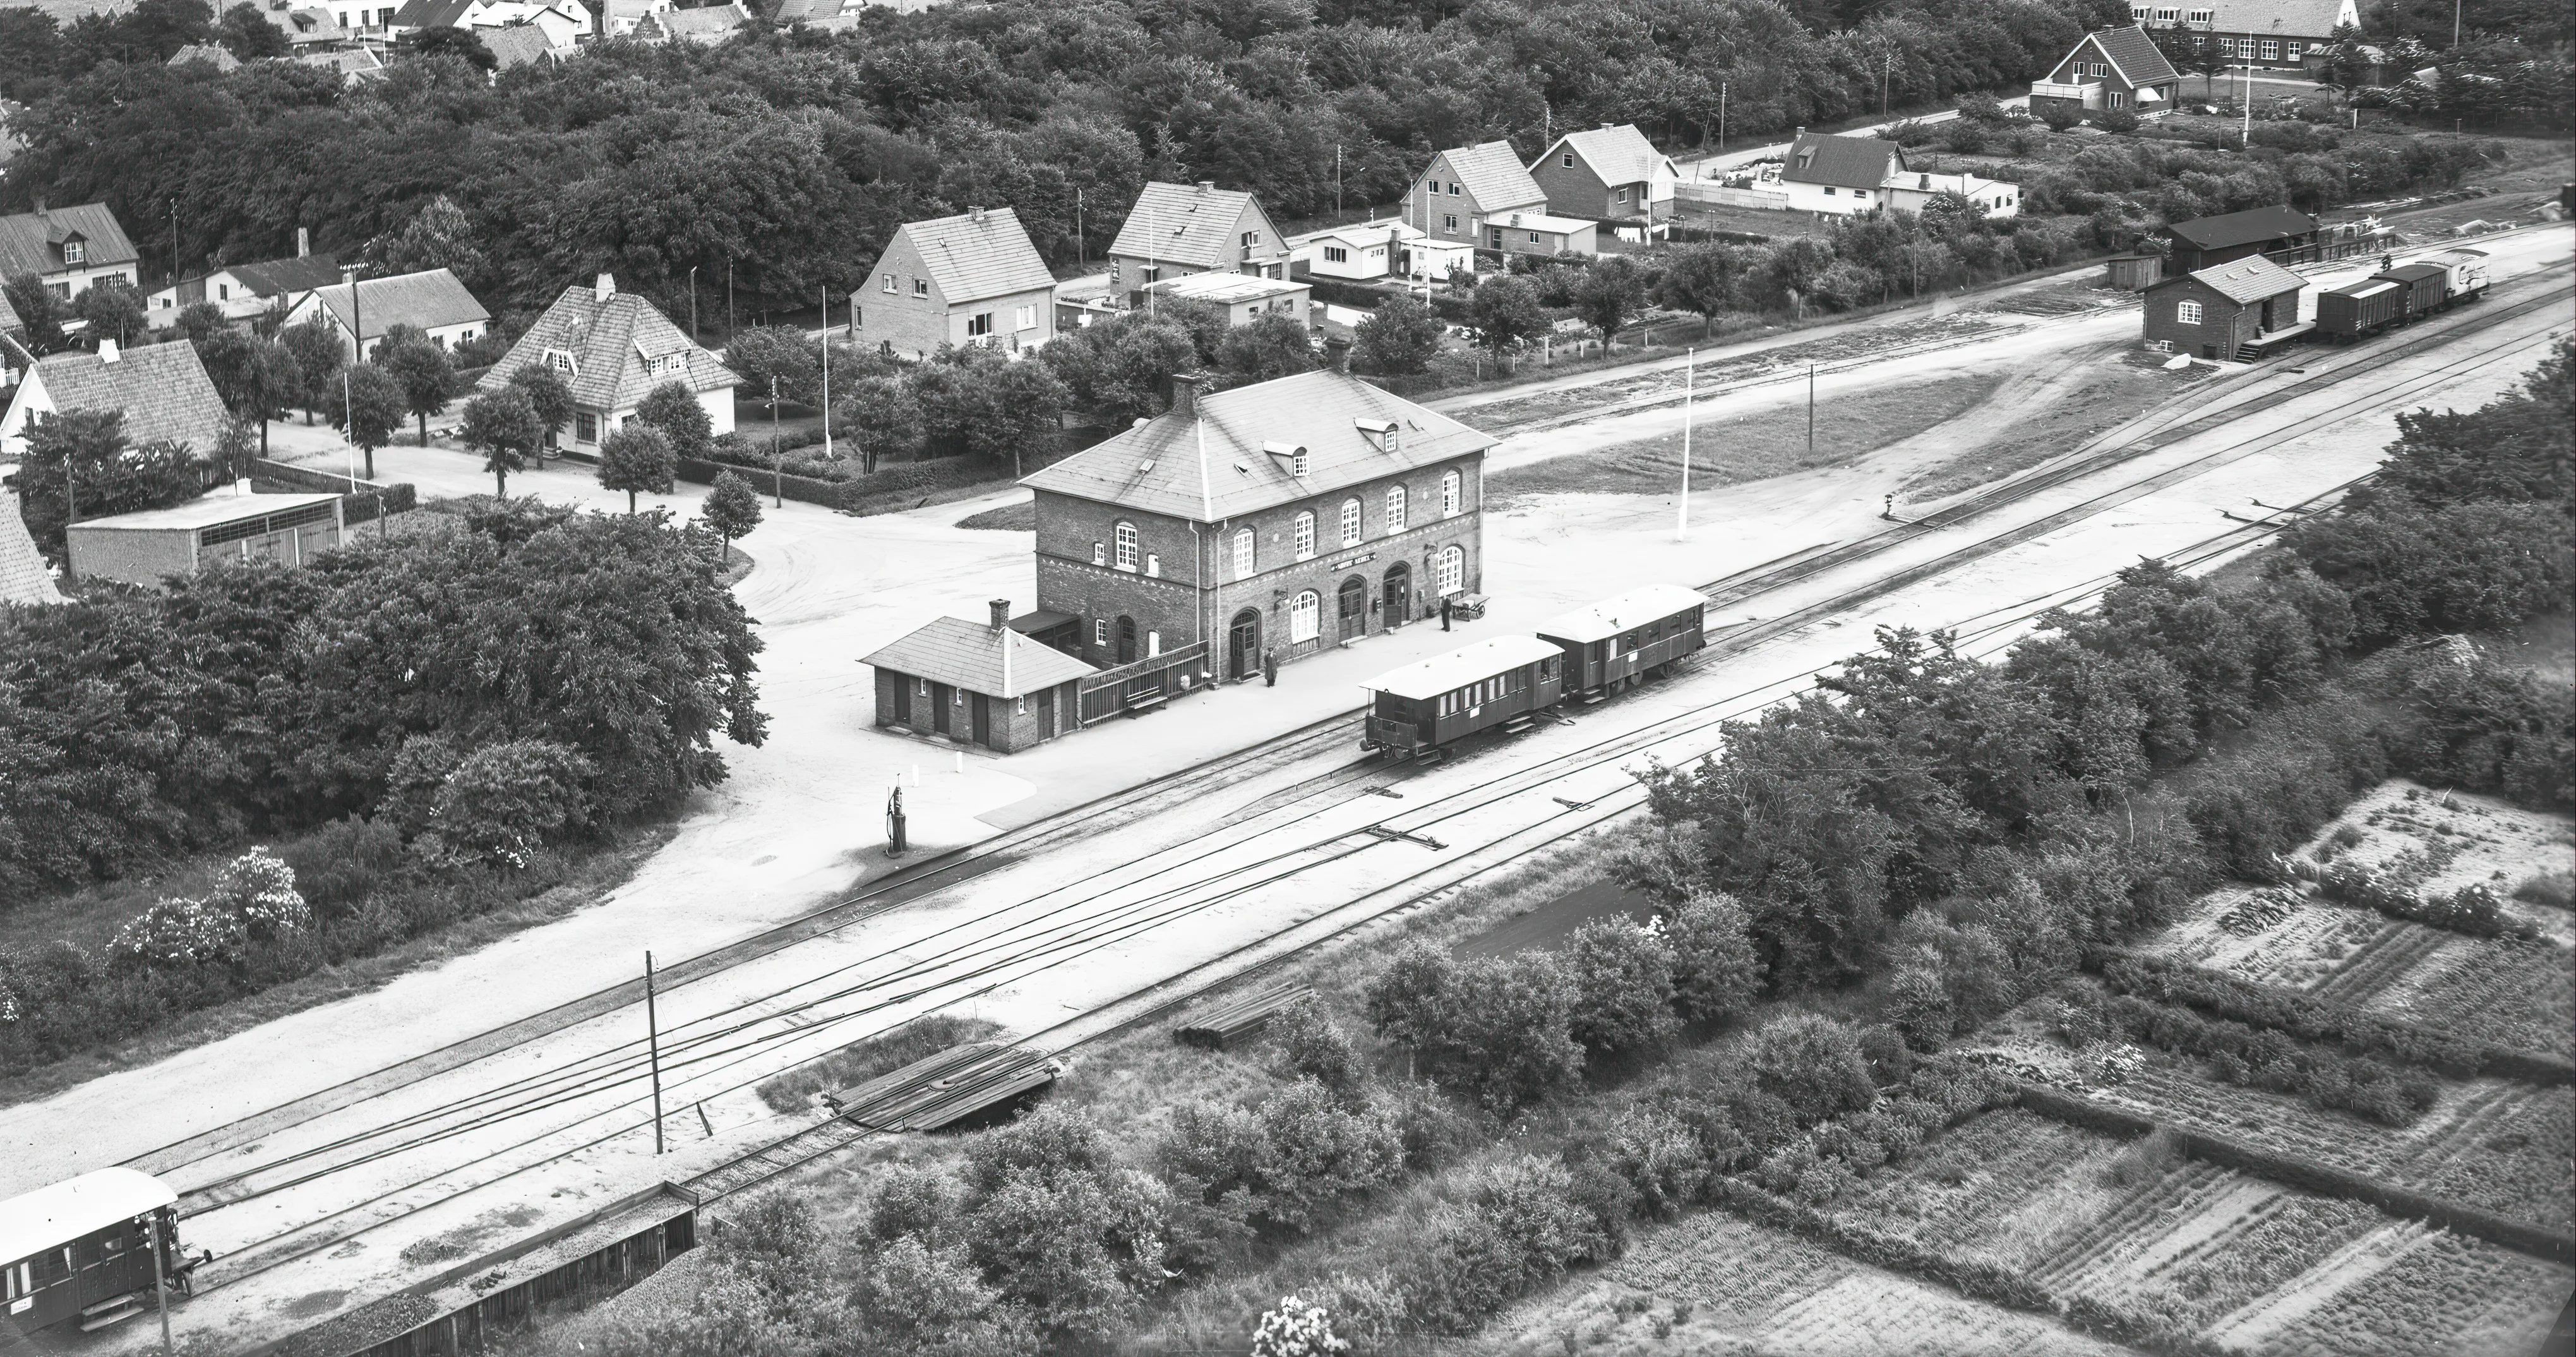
{"points": [[948, 1087], [1241, 1018]]}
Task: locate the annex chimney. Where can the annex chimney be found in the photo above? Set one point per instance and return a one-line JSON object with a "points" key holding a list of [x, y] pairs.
{"points": [[1337, 353], [1001, 613], [303, 243], [1185, 394]]}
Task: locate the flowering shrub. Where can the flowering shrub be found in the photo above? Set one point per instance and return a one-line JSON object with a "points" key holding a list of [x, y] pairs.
{"points": [[176, 933], [1296, 1329], [260, 889]]}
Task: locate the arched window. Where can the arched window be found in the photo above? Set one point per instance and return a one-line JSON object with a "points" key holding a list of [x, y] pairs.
{"points": [[1125, 534], [1305, 534], [1243, 553], [1351, 522], [1305, 617], [1395, 508], [1449, 488], [1449, 570]]}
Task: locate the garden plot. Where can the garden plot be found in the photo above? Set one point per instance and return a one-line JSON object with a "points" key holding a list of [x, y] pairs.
{"points": [[2503, 1147], [2437, 842], [2405, 1289], [1714, 1283]]}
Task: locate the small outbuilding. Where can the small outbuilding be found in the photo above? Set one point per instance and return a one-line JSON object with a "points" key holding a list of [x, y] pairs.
{"points": [[988, 685], [141, 548], [1242, 297], [2234, 311], [2137, 272], [2283, 235]]}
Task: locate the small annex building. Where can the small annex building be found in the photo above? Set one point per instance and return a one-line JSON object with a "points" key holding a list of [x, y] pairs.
{"points": [[1382, 248], [970, 279], [2233, 311], [2283, 235], [985, 684], [613, 348], [141, 548], [1240, 297]]}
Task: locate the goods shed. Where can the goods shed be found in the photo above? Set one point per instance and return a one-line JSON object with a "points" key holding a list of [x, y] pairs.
{"points": [[988, 685]]}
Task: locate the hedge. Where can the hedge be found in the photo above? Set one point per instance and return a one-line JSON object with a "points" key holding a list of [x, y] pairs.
{"points": [[891, 479], [2307, 1174]]}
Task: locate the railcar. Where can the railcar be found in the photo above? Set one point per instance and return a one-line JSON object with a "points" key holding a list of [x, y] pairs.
{"points": [[83, 1251], [1425, 706], [2428, 287], [2468, 272], [1615, 643], [2354, 310]]}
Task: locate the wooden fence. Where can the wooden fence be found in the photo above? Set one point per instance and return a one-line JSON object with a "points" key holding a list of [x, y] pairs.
{"points": [[361, 501], [1144, 684]]}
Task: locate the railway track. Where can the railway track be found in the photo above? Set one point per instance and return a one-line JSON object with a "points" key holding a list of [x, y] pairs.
{"points": [[1044, 949]]}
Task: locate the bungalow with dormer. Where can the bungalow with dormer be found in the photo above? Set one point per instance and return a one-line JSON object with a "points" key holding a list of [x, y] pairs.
{"points": [[2115, 68], [66, 248], [613, 348]]}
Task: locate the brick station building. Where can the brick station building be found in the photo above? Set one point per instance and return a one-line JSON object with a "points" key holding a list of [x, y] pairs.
{"points": [[1281, 517]]}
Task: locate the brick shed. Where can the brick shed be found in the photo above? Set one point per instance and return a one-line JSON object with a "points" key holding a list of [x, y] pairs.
{"points": [[140, 548], [983, 684], [2230, 312]]}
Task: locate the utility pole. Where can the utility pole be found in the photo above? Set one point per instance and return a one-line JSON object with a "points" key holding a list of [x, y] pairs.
{"points": [[653, 1044], [827, 370], [728, 299], [1811, 410], [1721, 116], [1886, 69], [2455, 23], [693, 304], [1690, 374], [1337, 184], [1078, 252], [777, 482], [174, 248], [2247, 143]]}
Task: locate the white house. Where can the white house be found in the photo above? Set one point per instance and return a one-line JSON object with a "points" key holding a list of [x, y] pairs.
{"points": [[431, 301], [564, 24], [613, 348], [1991, 197], [1850, 176], [1384, 248], [1241, 296], [246, 290]]}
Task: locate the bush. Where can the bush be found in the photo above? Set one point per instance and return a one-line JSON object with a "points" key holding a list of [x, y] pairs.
{"points": [[1497, 1029], [2116, 120], [1623, 988], [1814, 1064], [1519, 1229], [1716, 974], [1311, 1044], [503, 801]]}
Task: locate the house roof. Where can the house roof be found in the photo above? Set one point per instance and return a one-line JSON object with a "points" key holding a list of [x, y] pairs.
{"points": [[162, 389], [1226, 288], [1619, 154], [1362, 233], [621, 348], [2295, 18], [805, 11], [305, 24], [1541, 221], [517, 45], [431, 13], [1611, 616], [1494, 174], [979, 254], [428, 299], [1467, 664], [997, 662], [1220, 464], [31, 242], [350, 61], [206, 52], [706, 24], [206, 511], [1186, 224], [1845, 162], [10, 321], [295, 273], [2242, 228], [43, 1219], [2249, 280], [2135, 56], [24, 576]]}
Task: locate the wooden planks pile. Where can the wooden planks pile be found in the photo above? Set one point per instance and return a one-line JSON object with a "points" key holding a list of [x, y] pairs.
{"points": [[937, 1090], [1241, 1018]]}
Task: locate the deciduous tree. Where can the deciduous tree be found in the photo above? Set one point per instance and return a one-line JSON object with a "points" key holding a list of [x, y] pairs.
{"points": [[638, 460], [1399, 338], [112, 308], [731, 508], [675, 410], [422, 368], [1506, 314], [501, 426], [372, 411], [549, 398]]}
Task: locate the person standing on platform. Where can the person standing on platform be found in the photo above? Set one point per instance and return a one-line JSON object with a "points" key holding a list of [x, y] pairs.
{"points": [[1270, 669]]}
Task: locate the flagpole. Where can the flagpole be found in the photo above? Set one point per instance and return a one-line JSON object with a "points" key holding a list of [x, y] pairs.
{"points": [[827, 372], [1690, 373]]}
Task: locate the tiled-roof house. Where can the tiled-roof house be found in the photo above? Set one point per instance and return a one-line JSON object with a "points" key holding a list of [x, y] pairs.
{"points": [[245, 290], [1195, 228], [1608, 174], [1280, 517], [706, 25], [986, 684], [313, 28], [613, 348], [207, 52], [1839, 175], [514, 45], [161, 389], [1464, 186], [2112, 68], [969, 279], [24, 576], [2277, 33], [67, 247], [431, 300]]}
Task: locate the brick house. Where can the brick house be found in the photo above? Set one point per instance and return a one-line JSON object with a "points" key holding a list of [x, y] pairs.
{"points": [[2114, 68], [67, 248], [982, 684], [1284, 517], [1194, 228], [613, 348], [2279, 34], [969, 279], [1611, 173], [2218, 312], [1466, 186]]}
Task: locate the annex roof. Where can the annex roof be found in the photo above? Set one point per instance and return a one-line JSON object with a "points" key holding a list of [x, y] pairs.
{"points": [[517, 45], [1618, 154], [161, 388], [1541, 221], [1217, 464], [2135, 56], [2294, 18], [1611, 616], [619, 345], [979, 254], [1361, 233], [997, 662], [1186, 224], [1226, 288], [24, 576], [205, 511], [1493, 173], [2250, 280], [2242, 228], [207, 52], [1845, 162], [1460, 667], [33, 1222], [31, 242], [429, 300], [296, 273]]}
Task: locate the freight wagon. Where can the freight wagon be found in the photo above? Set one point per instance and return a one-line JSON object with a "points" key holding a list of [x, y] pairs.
{"points": [[2401, 295]]}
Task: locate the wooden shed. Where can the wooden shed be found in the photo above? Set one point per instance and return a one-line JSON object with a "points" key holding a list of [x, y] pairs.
{"points": [[2136, 272]]}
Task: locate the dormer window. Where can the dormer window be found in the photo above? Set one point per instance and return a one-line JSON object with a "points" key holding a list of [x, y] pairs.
{"points": [[1291, 457], [561, 360], [1379, 432], [74, 252]]}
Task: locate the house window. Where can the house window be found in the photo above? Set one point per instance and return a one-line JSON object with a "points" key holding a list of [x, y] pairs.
{"points": [[1125, 534], [1305, 535], [1028, 318], [921, 287], [1619, 197], [1305, 617], [890, 288], [1100, 631], [1533, 237], [2271, 49], [981, 323], [585, 428], [1395, 508], [1449, 570], [561, 361], [2227, 47], [1099, 553], [1113, 270], [1297, 464], [1243, 541], [1251, 238], [1449, 223], [1449, 488], [2187, 313], [1350, 522], [1335, 254], [2291, 49], [2202, 16], [1567, 160], [2167, 16], [74, 252], [1829, 191]]}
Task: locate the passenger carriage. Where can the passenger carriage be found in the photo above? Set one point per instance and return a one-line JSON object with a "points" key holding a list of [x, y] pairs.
{"points": [[1613, 643], [1427, 705], [81, 1251]]}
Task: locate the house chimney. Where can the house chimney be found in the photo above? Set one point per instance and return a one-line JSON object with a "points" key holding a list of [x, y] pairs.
{"points": [[1001, 613], [107, 350], [606, 287], [303, 243], [1802, 131], [1185, 394], [1207, 186], [975, 215], [1337, 353]]}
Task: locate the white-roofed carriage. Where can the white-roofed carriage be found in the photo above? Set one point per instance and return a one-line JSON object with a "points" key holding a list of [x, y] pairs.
{"points": [[81, 1251], [1616, 642], [1427, 705]]}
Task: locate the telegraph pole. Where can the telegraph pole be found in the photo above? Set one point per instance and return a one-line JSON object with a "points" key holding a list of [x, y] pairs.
{"points": [[1811, 409], [827, 369], [777, 481], [693, 304], [653, 1043], [1690, 374]]}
